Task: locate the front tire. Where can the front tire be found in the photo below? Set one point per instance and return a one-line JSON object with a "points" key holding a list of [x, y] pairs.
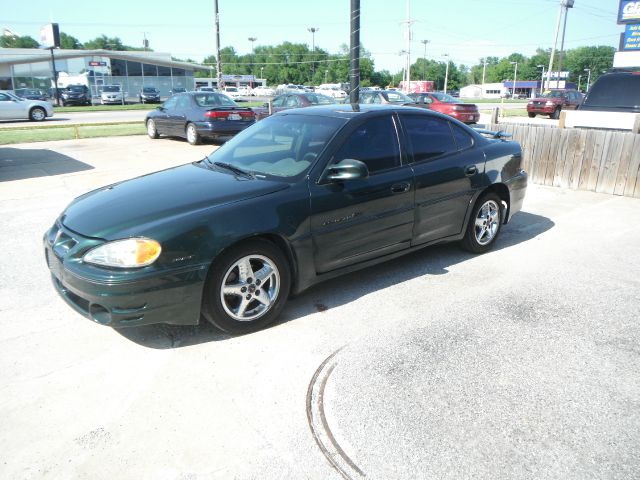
{"points": [[484, 224], [532, 115], [37, 114], [193, 137], [152, 131], [247, 287], [556, 114]]}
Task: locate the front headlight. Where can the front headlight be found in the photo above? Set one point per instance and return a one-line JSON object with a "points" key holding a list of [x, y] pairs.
{"points": [[549, 104], [129, 253]]}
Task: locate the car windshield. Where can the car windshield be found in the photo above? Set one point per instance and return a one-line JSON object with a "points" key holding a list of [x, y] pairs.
{"points": [[553, 94], [213, 100], [398, 97], [317, 99], [231, 89], [615, 90], [279, 147], [111, 88], [149, 90], [445, 98], [76, 88]]}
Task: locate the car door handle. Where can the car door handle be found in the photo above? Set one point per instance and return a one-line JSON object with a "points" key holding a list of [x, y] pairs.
{"points": [[400, 187], [470, 170]]}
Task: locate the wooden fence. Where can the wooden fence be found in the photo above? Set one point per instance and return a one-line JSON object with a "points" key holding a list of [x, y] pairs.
{"points": [[579, 159]]}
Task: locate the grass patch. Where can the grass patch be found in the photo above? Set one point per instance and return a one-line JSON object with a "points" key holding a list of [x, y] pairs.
{"points": [[494, 100], [60, 132]]}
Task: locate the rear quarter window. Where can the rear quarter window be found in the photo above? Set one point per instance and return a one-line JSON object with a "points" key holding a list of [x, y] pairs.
{"points": [[613, 90]]}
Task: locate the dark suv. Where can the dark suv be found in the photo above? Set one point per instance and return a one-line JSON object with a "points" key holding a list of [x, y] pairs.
{"points": [[614, 92], [75, 95], [552, 102]]}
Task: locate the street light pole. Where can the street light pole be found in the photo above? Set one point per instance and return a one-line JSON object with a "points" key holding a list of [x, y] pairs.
{"points": [[567, 5], [313, 31], [484, 69], [424, 65], [253, 55], [579, 81], [555, 42], [541, 78], [446, 74], [515, 78]]}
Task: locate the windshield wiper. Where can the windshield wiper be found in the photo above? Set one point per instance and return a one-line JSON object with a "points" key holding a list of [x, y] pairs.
{"points": [[233, 168]]}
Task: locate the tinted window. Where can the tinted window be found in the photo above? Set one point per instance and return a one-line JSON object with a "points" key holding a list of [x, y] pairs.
{"points": [[428, 137], [292, 101], [615, 90], [463, 139], [171, 103], [279, 101], [4, 98], [213, 100], [374, 143]]}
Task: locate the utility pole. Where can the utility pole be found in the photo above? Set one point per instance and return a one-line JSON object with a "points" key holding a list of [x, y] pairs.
{"points": [[354, 70], [564, 5], [568, 4], [588, 77], [217, 28], [55, 77], [515, 78], [424, 65], [407, 73]]}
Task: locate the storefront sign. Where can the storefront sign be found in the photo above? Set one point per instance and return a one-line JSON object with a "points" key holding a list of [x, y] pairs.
{"points": [[97, 64], [631, 40], [629, 11]]}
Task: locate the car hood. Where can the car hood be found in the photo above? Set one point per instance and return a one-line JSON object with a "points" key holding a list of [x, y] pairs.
{"points": [[543, 99], [134, 206]]}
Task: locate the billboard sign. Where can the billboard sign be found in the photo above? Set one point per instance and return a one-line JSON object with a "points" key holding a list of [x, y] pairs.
{"points": [[50, 36], [631, 39], [629, 11]]}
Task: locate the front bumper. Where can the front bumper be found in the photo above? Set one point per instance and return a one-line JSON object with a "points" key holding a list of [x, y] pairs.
{"points": [[110, 100], [542, 109], [122, 298], [150, 99], [76, 100], [225, 128]]}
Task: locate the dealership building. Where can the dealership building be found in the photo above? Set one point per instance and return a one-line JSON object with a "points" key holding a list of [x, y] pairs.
{"points": [[31, 68]]}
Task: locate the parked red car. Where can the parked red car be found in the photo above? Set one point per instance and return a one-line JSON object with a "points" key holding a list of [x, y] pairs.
{"points": [[443, 103], [552, 102], [293, 100]]}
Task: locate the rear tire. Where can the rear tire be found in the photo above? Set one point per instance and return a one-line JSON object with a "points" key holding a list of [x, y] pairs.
{"points": [[247, 287], [484, 224], [193, 137]]}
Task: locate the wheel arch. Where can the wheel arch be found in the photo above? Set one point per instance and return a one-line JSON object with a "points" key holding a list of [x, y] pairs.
{"points": [[502, 191], [277, 240]]}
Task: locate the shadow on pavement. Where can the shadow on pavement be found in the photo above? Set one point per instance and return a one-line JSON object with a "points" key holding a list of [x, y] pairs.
{"points": [[21, 164], [430, 261]]}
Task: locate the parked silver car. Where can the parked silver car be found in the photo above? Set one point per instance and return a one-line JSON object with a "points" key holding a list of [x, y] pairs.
{"points": [[13, 107]]}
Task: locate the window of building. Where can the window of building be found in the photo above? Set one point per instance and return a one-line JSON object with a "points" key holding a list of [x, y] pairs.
{"points": [[177, 72], [118, 68], [375, 143], [164, 71], [149, 70], [134, 69]]}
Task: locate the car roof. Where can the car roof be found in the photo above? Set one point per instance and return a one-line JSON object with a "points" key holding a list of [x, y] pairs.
{"points": [[347, 110]]}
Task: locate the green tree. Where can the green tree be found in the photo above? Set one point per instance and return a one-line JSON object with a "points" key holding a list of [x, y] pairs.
{"points": [[69, 42], [597, 59], [107, 43], [18, 42]]}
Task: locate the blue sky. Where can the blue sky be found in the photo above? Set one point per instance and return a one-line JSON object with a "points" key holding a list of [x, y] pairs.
{"points": [[464, 29]]}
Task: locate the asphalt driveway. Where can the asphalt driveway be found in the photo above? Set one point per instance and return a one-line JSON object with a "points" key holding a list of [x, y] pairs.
{"points": [[520, 363]]}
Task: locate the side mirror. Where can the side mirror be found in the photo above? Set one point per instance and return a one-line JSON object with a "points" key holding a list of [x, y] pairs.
{"points": [[161, 108], [347, 169]]}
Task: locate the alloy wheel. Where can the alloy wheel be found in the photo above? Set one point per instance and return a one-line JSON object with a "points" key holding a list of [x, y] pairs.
{"points": [[487, 222]]}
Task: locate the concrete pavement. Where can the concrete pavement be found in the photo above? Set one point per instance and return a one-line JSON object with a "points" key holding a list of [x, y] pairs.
{"points": [[520, 363]]}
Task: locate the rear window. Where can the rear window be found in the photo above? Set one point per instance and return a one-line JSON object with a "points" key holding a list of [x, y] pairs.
{"points": [[619, 91], [214, 100]]}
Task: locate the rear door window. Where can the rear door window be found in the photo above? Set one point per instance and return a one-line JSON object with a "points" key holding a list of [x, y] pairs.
{"points": [[429, 138]]}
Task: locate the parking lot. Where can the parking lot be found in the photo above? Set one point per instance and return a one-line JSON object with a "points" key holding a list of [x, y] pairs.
{"points": [[519, 363]]}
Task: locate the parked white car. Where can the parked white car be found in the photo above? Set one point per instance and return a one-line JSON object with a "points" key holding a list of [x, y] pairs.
{"points": [[244, 91], [333, 91], [13, 107], [111, 94], [262, 91], [232, 92]]}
